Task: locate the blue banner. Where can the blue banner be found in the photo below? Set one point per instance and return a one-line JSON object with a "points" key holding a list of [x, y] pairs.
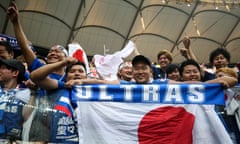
{"points": [[13, 42], [149, 93]]}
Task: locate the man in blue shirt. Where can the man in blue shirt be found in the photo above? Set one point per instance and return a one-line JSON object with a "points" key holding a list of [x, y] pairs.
{"points": [[12, 99]]}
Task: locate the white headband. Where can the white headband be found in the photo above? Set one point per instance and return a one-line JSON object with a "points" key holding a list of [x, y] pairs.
{"points": [[63, 49]]}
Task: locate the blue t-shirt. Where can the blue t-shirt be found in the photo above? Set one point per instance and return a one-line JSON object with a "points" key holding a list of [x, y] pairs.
{"points": [[11, 119], [158, 73], [208, 76], [37, 64], [63, 124], [160, 81]]}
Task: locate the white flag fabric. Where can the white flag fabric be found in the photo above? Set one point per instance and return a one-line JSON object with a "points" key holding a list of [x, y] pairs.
{"points": [[142, 123], [75, 50], [107, 66]]}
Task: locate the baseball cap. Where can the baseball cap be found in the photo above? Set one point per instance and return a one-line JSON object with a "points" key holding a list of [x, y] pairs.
{"points": [[141, 58], [15, 64]]}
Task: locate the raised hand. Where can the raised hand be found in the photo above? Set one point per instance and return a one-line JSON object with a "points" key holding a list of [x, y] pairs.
{"points": [[184, 52], [71, 83], [70, 60], [186, 41], [13, 12]]}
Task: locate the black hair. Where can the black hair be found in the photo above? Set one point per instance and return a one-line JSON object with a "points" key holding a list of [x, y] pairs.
{"points": [[188, 62], [19, 78], [8, 47], [171, 68], [217, 52], [77, 63]]}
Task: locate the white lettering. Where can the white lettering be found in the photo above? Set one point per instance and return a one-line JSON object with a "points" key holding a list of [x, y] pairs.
{"points": [[71, 129], [127, 91], [173, 93], [84, 92], [61, 130], [103, 93], [195, 93], [151, 91]]}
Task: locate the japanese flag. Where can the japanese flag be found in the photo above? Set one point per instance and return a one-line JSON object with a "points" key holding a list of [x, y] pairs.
{"points": [[141, 123], [75, 50]]}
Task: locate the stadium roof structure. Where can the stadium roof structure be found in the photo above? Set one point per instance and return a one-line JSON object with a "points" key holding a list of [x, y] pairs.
{"points": [[105, 26]]}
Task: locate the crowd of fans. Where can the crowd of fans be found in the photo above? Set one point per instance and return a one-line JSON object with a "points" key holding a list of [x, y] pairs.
{"points": [[24, 116]]}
